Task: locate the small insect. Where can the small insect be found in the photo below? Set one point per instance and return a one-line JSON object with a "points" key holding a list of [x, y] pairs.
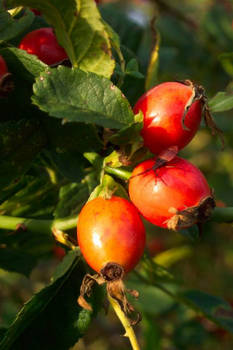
{"points": [[163, 158]]}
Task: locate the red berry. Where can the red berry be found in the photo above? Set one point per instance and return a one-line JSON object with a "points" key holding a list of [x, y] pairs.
{"points": [[43, 43], [6, 79], [163, 108], [58, 252], [155, 246], [36, 12], [110, 230], [3, 67], [167, 196]]}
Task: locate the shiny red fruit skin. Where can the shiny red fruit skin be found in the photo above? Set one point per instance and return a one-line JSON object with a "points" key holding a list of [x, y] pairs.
{"points": [[163, 108], [110, 230], [178, 184], [3, 67], [43, 43]]}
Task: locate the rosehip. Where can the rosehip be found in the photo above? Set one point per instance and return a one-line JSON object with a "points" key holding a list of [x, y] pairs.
{"points": [[165, 120], [43, 43], [58, 252], [36, 12], [110, 231], [3, 67], [174, 196], [6, 82], [155, 246]]}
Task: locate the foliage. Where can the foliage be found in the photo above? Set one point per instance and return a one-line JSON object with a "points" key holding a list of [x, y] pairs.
{"points": [[68, 133]]}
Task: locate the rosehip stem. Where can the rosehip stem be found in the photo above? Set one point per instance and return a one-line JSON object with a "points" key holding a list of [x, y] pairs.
{"points": [[121, 173], [35, 225], [129, 332], [221, 215]]}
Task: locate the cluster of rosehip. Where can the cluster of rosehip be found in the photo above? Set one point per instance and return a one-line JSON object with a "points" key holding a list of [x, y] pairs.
{"points": [[166, 190]]}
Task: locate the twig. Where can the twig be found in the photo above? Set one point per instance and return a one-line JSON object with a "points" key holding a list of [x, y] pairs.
{"points": [[129, 332]]}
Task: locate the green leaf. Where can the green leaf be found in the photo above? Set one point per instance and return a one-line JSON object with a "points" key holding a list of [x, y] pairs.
{"points": [[35, 199], [114, 159], [23, 64], [12, 189], [24, 68], [73, 195], [222, 101], [71, 198], [16, 260], [171, 256], [133, 69], [226, 60], [79, 30], [155, 272], [72, 137], [114, 37], [214, 308], [10, 27], [132, 66], [70, 164], [20, 142], [129, 134], [92, 99], [107, 188], [151, 301], [52, 319]]}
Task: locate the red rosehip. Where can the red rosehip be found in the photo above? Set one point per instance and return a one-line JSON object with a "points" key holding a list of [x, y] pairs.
{"points": [[164, 108], [155, 246], [58, 252], [174, 196], [6, 81], [3, 67], [110, 230], [43, 43], [36, 12]]}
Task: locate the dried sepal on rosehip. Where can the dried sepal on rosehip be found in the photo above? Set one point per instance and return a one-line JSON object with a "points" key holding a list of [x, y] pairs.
{"points": [[176, 195], [172, 114], [111, 237]]}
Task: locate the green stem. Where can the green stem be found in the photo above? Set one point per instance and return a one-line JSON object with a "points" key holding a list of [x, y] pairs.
{"points": [[14, 223], [223, 215], [122, 64], [46, 226], [66, 223], [129, 332], [37, 226], [118, 172]]}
